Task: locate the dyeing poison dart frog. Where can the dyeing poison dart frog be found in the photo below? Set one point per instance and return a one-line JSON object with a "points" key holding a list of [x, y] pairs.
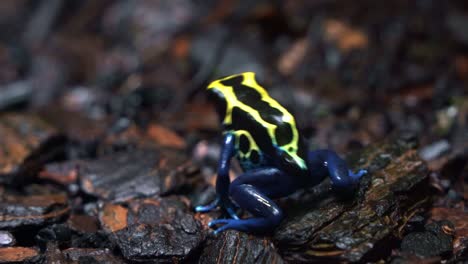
{"points": [[263, 136]]}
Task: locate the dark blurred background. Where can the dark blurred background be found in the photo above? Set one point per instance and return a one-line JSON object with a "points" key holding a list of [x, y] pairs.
{"points": [[352, 72]]}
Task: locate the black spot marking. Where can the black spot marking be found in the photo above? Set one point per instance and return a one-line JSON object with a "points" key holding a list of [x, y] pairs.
{"points": [[254, 157], [246, 94], [251, 97], [244, 121], [283, 134], [270, 114], [244, 144], [234, 81]]}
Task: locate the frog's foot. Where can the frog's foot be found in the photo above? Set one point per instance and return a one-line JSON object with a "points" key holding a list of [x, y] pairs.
{"points": [[227, 224], [227, 205]]}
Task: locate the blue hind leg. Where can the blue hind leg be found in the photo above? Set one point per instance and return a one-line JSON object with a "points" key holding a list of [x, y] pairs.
{"points": [[254, 191], [328, 162]]}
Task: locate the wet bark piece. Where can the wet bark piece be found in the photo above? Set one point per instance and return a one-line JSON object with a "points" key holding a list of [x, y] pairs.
{"points": [[79, 128], [459, 218], [239, 248], [160, 230], [153, 136], [113, 217], [351, 230], [18, 254], [139, 173], [435, 240], [26, 143], [165, 137], [91, 255], [64, 173], [19, 211], [66, 235], [83, 223]]}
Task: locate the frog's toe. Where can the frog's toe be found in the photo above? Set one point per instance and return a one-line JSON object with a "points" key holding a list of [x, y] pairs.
{"points": [[221, 229], [208, 207], [204, 208], [232, 213], [218, 222], [231, 209], [227, 224], [361, 173], [357, 175]]}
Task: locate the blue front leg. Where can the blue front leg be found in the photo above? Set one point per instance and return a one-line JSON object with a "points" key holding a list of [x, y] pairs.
{"points": [[325, 162], [222, 180]]}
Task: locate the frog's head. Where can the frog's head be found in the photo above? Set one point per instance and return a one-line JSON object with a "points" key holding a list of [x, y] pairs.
{"points": [[242, 92], [222, 93]]}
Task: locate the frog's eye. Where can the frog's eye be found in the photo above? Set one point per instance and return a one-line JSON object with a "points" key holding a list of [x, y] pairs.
{"points": [[215, 95], [219, 101]]}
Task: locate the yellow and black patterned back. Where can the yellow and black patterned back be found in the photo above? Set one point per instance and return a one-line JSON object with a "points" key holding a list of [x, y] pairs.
{"points": [[262, 126]]}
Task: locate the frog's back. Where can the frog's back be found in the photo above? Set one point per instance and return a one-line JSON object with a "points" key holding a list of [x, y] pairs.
{"points": [[262, 126]]}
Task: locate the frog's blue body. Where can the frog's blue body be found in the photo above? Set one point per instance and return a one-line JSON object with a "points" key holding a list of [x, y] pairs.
{"points": [[263, 136]]}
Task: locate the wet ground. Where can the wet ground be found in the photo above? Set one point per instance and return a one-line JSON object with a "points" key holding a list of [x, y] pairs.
{"points": [[107, 140]]}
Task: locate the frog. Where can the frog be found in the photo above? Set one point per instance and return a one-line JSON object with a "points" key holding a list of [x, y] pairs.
{"points": [[263, 136]]}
